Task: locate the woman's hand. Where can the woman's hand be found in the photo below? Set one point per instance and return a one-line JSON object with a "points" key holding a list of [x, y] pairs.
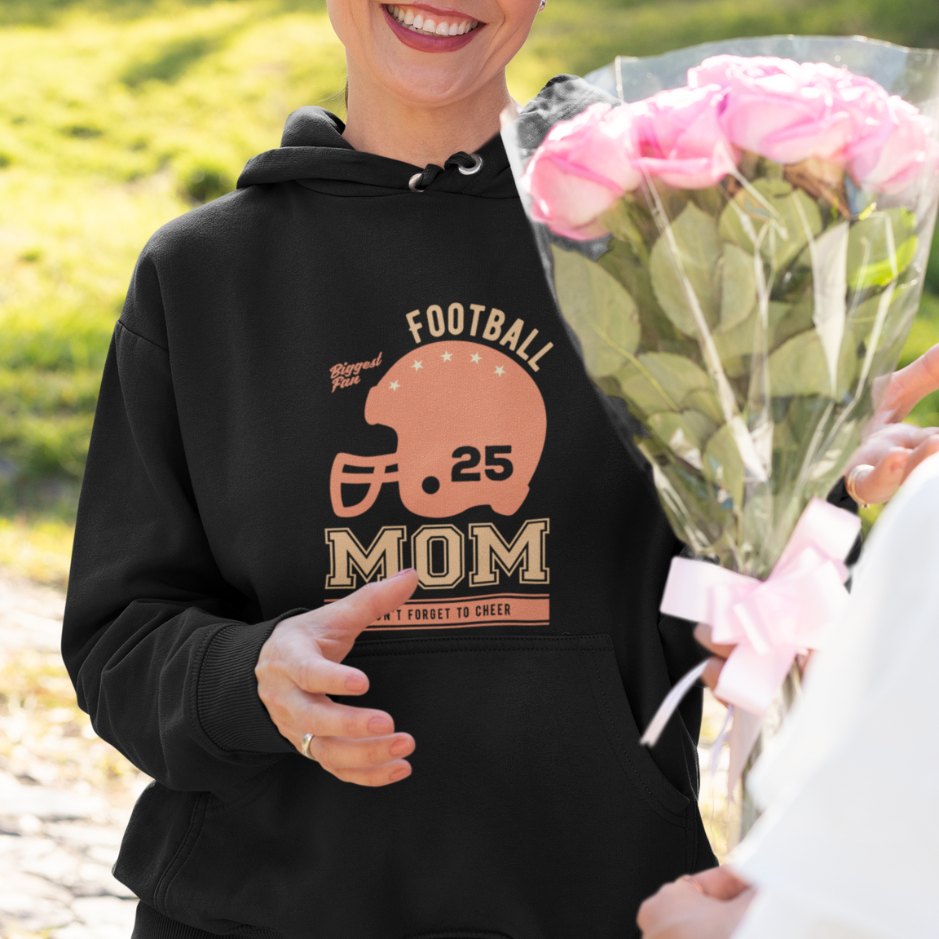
{"points": [[299, 666], [708, 905], [893, 449], [719, 654]]}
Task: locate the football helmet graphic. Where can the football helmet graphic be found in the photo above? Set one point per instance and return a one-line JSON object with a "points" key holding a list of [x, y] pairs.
{"points": [[471, 426]]}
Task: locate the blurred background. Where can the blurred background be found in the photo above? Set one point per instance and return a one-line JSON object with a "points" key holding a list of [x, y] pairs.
{"points": [[116, 116]]}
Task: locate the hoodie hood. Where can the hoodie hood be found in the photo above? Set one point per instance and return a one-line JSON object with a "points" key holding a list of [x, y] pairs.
{"points": [[314, 153]]}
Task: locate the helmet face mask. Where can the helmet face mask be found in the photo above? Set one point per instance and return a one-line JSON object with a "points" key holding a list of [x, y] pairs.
{"points": [[471, 426]]}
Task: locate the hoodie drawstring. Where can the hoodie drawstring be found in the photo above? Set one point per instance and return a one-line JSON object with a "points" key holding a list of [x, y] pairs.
{"points": [[468, 164]]}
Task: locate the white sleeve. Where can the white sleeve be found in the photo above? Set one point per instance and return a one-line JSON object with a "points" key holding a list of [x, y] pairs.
{"points": [[852, 827], [773, 917]]}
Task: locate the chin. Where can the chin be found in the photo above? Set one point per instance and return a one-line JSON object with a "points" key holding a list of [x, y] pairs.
{"points": [[431, 87]]}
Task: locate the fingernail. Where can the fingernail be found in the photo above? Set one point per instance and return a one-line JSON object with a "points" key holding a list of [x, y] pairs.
{"points": [[400, 747], [400, 774], [404, 573], [356, 683], [380, 725]]}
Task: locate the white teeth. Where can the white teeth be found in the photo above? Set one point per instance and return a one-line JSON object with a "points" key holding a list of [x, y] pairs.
{"points": [[429, 26]]}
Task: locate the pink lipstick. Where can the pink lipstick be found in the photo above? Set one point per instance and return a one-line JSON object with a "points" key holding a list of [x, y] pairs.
{"points": [[427, 42]]}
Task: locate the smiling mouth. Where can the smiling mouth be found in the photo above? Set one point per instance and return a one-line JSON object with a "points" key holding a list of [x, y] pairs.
{"points": [[422, 23]]}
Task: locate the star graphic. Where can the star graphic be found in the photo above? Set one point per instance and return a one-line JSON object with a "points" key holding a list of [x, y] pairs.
{"points": [[417, 365], [500, 370], [394, 386], [447, 356], [475, 357]]}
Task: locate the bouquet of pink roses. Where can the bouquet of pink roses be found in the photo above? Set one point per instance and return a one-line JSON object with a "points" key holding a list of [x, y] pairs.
{"points": [[740, 256]]}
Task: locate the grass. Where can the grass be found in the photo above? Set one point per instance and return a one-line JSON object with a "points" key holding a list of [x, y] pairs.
{"points": [[39, 549], [117, 115]]}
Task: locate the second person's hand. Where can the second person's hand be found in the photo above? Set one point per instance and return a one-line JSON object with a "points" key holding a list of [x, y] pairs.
{"points": [[892, 449], [300, 666]]}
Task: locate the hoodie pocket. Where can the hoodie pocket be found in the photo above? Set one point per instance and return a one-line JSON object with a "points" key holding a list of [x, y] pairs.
{"points": [[532, 812]]}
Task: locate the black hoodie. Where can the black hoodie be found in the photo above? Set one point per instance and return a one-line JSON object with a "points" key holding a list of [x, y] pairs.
{"points": [[317, 380]]}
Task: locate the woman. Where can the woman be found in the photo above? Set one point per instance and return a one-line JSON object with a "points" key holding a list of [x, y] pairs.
{"points": [[846, 849], [351, 371]]}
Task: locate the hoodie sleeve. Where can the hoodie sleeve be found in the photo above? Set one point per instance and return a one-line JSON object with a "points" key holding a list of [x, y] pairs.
{"points": [[151, 638]]}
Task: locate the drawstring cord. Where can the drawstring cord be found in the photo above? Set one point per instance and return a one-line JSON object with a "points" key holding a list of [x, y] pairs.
{"points": [[469, 164]]}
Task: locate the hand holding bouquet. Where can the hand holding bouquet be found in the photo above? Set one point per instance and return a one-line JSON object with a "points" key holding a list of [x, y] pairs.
{"points": [[740, 259]]}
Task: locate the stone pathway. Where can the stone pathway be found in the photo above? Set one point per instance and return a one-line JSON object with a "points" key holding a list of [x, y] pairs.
{"points": [[65, 795]]}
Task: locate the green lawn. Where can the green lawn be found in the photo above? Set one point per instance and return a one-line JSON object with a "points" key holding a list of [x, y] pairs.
{"points": [[117, 116]]}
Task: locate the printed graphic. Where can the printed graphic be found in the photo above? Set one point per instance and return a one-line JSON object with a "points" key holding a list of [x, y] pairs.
{"points": [[471, 427], [345, 375], [504, 609], [496, 556]]}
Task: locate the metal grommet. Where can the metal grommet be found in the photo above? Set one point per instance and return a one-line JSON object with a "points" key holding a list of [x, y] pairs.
{"points": [[414, 180], [475, 168]]}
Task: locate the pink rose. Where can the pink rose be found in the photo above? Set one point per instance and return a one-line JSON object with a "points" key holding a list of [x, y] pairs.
{"points": [[892, 147], [680, 137], [782, 110], [581, 168], [790, 112]]}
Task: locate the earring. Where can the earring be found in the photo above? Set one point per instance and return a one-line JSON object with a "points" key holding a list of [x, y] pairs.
{"points": [[543, 4]]}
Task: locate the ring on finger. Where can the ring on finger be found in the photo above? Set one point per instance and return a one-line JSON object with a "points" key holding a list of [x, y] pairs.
{"points": [[305, 745], [850, 484]]}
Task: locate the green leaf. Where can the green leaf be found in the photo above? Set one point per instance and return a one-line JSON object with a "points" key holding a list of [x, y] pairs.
{"points": [[788, 320], [694, 263], [621, 219], [748, 212], [685, 434], [660, 381], [736, 346], [600, 311], [711, 200], [859, 332], [723, 465], [677, 374], [871, 263], [705, 401], [792, 216], [642, 395], [623, 263], [798, 367], [690, 505], [738, 286]]}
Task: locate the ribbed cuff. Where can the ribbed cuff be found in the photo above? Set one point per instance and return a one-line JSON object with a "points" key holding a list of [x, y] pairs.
{"points": [[839, 497], [230, 711], [149, 924]]}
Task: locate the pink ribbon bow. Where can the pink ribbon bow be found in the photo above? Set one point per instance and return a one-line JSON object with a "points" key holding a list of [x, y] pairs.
{"points": [[768, 622]]}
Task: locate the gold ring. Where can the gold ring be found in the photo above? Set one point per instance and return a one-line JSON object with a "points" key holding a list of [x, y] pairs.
{"points": [[850, 484], [305, 745]]}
